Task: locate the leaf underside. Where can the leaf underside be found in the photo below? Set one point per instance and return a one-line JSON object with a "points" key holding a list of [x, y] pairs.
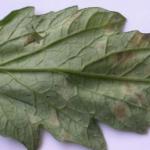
{"points": [[65, 71]]}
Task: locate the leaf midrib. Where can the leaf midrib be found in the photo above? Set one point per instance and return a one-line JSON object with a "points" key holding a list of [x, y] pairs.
{"points": [[77, 73]]}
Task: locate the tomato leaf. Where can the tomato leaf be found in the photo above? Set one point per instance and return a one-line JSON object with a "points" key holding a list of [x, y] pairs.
{"points": [[65, 71]]}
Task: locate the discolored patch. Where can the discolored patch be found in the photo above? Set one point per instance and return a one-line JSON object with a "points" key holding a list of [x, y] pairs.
{"points": [[34, 37], [53, 119], [120, 110], [124, 57], [65, 136], [128, 87], [140, 98], [30, 39], [136, 39], [146, 36]]}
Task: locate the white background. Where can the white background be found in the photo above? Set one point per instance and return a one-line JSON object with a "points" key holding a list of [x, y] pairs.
{"points": [[137, 13]]}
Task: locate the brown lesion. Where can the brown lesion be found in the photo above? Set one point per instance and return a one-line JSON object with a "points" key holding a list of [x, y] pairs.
{"points": [[136, 39], [33, 37], [120, 110], [146, 36], [140, 39], [30, 39], [124, 56]]}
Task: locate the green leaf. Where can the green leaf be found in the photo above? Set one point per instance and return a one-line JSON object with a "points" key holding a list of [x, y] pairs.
{"points": [[65, 71], [122, 87]]}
